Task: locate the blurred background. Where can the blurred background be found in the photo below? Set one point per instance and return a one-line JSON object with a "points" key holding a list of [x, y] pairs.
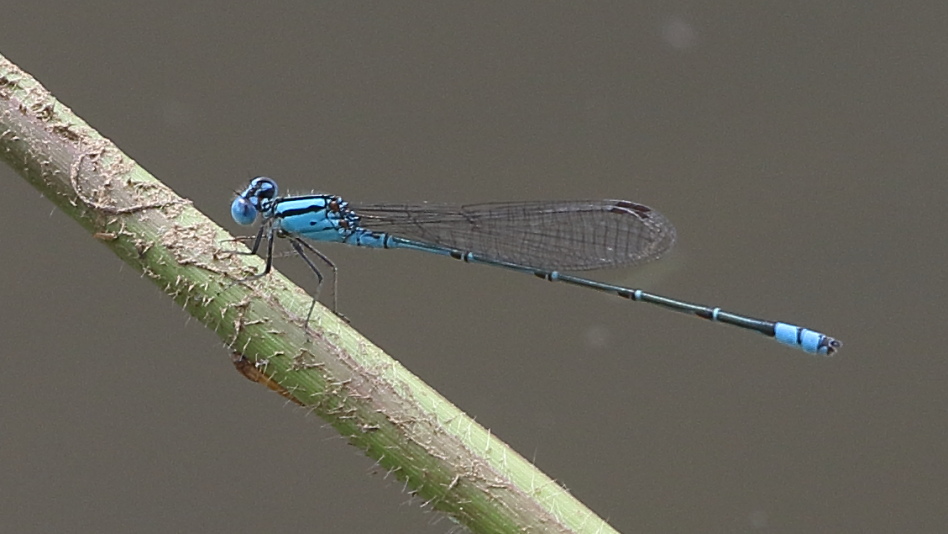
{"points": [[799, 150]]}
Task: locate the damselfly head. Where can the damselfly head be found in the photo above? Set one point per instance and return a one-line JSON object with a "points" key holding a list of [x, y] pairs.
{"points": [[255, 199], [261, 188]]}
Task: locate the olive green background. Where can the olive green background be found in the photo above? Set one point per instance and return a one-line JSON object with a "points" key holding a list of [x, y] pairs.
{"points": [[800, 149]]}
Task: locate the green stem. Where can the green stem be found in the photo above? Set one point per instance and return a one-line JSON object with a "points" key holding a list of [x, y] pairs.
{"points": [[453, 464]]}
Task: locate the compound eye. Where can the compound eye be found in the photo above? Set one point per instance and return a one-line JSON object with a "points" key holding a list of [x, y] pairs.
{"points": [[243, 211]]}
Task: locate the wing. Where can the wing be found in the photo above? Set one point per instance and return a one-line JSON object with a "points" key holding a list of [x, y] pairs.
{"points": [[568, 235]]}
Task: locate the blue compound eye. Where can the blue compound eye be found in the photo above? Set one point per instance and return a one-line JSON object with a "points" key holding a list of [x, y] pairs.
{"points": [[243, 211]]}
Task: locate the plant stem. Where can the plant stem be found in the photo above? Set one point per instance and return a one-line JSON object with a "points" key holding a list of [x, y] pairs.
{"points": [[453, 464]]}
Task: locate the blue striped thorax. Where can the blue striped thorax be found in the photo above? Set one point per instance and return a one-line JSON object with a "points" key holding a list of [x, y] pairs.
{"points": [[316, 217]]}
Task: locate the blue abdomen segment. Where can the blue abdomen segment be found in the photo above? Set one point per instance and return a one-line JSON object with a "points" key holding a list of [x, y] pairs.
{"points": [[803, 338]]}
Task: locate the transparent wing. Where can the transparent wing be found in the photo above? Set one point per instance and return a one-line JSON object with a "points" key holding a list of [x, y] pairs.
{"points": [[568, 235]]}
